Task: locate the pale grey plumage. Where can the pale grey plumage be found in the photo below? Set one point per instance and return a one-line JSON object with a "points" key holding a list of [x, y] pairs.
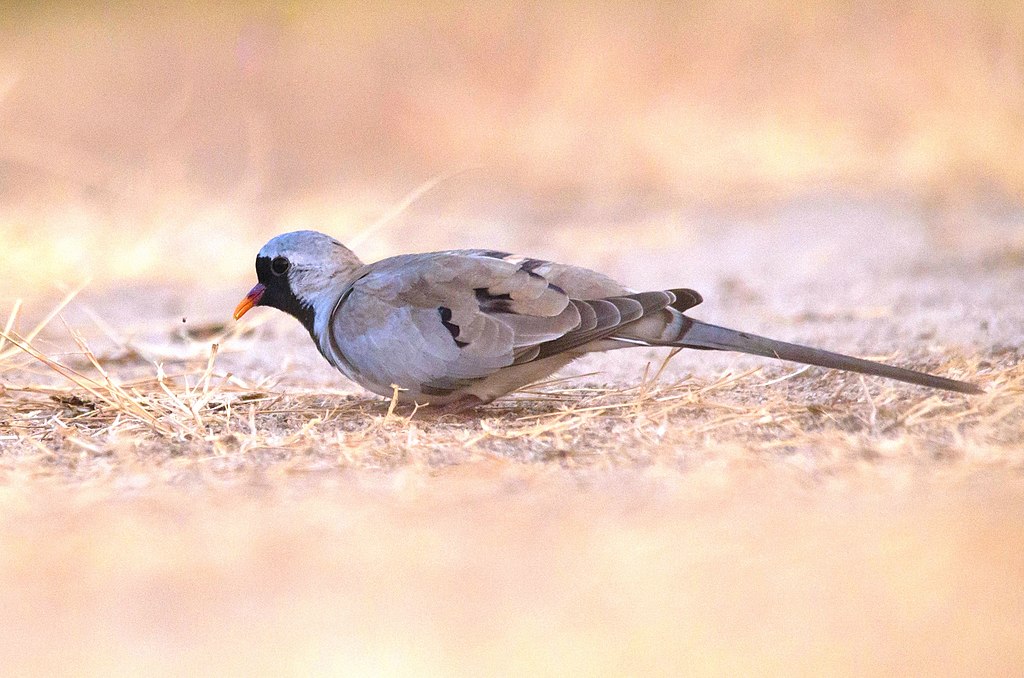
{"points": [[464, 327]]}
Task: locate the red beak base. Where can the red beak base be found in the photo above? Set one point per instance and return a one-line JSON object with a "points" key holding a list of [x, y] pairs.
{"points": [[251, 299]]}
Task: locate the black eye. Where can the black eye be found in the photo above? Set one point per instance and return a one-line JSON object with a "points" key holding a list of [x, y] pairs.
{"points": [[279, 266]]}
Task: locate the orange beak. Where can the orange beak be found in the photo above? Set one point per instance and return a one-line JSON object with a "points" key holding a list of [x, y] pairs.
{"points": [[250, 300]]}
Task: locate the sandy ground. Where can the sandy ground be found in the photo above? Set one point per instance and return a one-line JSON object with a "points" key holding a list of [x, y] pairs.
{"points": [[518, 571], [717, 521]]}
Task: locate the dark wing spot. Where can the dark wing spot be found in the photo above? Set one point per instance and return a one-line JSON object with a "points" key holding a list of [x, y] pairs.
{"points": [[494, 254], [453, 329], [530, 265], [482, 295], [493, 303]]}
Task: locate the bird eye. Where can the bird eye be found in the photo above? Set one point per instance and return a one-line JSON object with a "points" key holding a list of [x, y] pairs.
{"points": [[279, 266]]}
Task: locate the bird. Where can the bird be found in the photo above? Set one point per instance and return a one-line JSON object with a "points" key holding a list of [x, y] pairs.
{"points": [[457, 329]]}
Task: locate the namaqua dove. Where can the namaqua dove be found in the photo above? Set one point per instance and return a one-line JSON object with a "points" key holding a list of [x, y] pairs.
{"points": [[462, 327]]}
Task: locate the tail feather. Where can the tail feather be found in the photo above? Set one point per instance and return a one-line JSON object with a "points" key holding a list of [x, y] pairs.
{"points": [[700, 335]]}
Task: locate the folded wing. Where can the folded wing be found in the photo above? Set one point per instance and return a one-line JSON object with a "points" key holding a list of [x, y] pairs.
{"points": [[433, 323]]}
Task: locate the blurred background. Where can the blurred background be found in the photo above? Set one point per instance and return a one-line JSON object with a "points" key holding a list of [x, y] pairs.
{"points": [[141, 142]]}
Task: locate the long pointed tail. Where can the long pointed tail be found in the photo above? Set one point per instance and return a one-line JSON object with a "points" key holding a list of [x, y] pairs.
{"points": [[703, 335]]}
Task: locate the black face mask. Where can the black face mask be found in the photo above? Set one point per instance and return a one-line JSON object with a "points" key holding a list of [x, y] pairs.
{"points": [[278, 291]]}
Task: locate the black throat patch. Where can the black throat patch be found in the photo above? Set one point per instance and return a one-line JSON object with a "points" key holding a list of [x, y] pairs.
{"points": [[279, 295]]}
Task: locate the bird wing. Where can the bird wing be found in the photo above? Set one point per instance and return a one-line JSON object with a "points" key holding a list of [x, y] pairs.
{"points": [[435, 322]]}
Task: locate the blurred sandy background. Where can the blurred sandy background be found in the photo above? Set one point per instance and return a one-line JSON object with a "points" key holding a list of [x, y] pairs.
{"points": [[850, 174], [199, 132]]}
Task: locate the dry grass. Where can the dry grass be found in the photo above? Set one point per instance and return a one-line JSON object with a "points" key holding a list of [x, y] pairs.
{"points": [[217, 418]]}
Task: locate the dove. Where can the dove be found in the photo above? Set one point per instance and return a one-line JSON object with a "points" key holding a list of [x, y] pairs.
{"points": [[459, 328]]}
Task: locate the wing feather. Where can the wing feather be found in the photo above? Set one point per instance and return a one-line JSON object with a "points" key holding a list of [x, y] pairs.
{"points": [[432, 323]]}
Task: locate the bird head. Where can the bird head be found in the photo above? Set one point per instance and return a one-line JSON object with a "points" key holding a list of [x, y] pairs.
{"points": [[299, 272]]}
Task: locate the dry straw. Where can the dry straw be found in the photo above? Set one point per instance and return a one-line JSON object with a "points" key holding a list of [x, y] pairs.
{"points": [[203, 413]]}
